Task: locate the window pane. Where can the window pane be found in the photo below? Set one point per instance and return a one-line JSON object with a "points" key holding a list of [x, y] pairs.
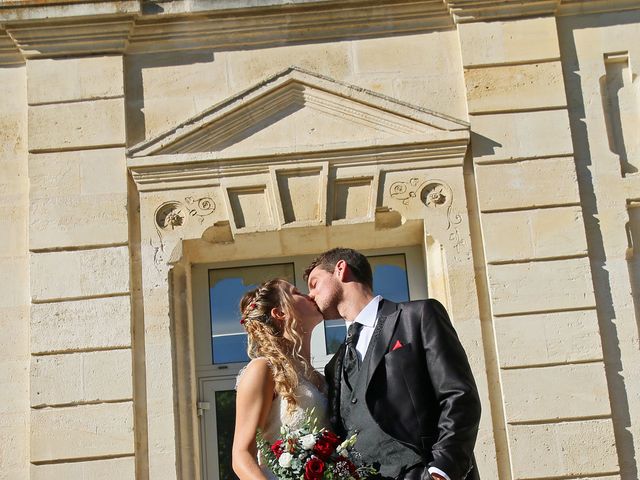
{"points": [[390, 277], [389, 280], [226, 288], [225, 423]]}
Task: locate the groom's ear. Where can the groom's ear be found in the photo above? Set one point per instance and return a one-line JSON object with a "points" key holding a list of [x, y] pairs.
{"points": [[340, 270]]}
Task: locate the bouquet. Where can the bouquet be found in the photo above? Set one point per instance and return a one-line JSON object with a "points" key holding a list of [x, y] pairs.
{"points": [[312, 453]]}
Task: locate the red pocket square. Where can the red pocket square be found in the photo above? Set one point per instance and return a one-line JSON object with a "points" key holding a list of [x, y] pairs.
{"points": [[397, 345]]}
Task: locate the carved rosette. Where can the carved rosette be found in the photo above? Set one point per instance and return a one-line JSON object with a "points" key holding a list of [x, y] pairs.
{"points": [[170, 215], [435, 195]]}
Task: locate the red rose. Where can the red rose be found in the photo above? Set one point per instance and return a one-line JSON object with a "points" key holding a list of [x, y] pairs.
{"points": [[277, 448], [326, 445], [314, 469], [331, 437]]}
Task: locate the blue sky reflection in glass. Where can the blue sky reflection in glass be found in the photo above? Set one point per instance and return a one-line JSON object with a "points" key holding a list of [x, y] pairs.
{"points": [[226, 288], [389, 280]]}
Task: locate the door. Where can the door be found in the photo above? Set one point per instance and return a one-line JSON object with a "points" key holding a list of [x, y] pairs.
{"points": [[398, 274]]}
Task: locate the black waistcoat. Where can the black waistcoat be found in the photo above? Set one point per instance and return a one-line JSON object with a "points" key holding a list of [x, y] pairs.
{"points": [[372, 443]]}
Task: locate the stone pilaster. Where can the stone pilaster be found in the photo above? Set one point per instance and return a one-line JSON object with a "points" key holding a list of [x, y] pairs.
{"points": [[537, 265], [600, 61], [14, 266], [81, 378]]}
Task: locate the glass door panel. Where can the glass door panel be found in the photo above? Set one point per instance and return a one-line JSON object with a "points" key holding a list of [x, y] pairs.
{"points": [[226, 288], [225, 406], [218, 407]]}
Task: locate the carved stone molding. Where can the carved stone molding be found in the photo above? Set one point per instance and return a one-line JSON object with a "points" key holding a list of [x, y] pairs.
{"points": [[174, 215], [79, 27], [88, 37], [277, 187], [582, 7], [9, 53], [23, 11], [57, 28], [434, 195], [298, 21], [465, 11], [482, 10], [171, 215]]}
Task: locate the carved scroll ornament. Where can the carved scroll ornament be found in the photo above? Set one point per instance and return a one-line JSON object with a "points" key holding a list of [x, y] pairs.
{"points": [[434, 194], [173, 214]]}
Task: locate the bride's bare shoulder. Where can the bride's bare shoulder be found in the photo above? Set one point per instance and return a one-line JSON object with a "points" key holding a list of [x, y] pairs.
{"points": [[257, 371]]}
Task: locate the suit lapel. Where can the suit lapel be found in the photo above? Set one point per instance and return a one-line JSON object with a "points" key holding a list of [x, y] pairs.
{"points": [[387, 319]]}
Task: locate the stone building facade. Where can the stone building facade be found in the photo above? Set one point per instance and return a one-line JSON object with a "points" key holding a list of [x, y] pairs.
{"points": [[495, 144]]}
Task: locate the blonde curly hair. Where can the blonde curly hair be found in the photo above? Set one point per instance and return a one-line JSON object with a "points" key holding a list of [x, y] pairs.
{"points": [[277, 341]]}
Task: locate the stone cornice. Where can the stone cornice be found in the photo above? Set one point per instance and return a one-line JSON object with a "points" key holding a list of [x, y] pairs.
{"points": [[465, 11], [69, 27], [9, 53], [40, 28], [84, 37], [579, 7], [296, 22], [182, 7], [24, 11], [168, 172]]}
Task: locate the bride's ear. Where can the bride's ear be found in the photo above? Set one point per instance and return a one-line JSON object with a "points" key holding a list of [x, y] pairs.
{"points": [[277, 313]]}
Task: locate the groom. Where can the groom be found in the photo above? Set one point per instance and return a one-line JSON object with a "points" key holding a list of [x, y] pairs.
{"points": [[401, 380]]}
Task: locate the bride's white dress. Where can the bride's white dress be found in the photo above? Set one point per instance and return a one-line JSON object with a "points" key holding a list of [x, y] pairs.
{"points": [[308, 397]]}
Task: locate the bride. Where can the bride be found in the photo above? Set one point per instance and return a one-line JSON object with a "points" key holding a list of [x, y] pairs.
{"points": [[279, 383]]}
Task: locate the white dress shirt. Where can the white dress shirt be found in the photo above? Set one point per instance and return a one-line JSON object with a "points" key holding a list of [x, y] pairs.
{"points": [[368, 317]]}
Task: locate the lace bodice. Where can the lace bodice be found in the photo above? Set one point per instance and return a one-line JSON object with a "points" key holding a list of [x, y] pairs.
{"points": [[308, 397]]}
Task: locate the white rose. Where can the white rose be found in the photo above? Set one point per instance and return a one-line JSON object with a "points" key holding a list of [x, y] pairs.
{"points": [[308, 441], [285, 459]]}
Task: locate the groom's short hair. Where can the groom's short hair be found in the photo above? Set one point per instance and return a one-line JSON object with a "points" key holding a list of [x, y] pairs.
{"points": [[358, 264]]}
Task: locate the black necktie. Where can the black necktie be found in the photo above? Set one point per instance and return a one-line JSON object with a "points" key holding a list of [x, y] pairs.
{"points": [[351, 362]]}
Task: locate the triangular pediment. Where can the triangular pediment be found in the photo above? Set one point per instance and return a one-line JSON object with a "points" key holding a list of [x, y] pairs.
{"points": [[302, 111]]}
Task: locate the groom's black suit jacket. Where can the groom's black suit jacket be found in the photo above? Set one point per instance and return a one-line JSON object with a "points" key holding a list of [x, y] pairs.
{"points": [[420, 389]]}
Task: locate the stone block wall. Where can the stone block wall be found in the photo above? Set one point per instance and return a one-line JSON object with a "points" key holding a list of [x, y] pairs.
{"points": [[95, 327]]}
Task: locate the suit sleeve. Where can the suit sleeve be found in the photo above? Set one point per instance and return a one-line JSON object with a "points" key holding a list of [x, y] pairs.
{"points": [[455, 392]]}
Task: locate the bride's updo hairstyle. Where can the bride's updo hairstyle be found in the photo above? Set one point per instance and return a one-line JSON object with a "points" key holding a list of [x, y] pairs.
{"points": [[277, 341]]}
